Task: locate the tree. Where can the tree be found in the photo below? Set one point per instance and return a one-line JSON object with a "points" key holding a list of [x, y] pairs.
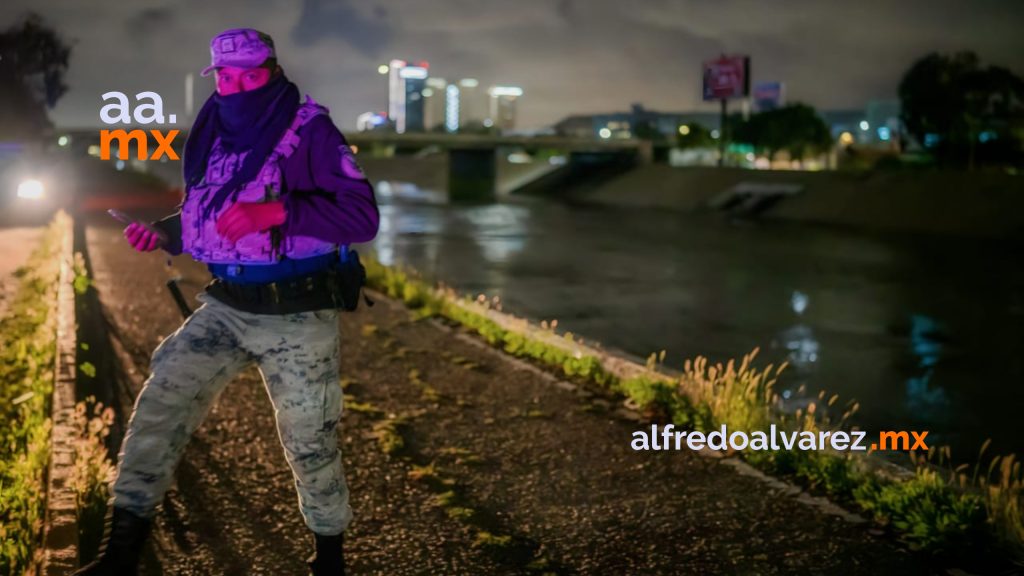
{"points": [[956, 108], [696, 136], [795, 127], [33, 62]]}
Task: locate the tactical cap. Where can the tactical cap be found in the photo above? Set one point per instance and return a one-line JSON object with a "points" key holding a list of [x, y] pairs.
{"points": [[240, 48]]}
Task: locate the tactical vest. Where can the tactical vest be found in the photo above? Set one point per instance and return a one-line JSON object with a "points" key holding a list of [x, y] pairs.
{"points": [[199, 236]]}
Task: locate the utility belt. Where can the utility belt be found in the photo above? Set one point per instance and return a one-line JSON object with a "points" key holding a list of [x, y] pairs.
{"points": [[333, 280]]}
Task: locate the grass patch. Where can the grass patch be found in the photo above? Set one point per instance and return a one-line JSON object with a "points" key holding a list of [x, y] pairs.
{"points": [[27, 348], [485, 539], [389, 435], [430, 394], [92, 470], [362, 407], [92, 473], [460, 513], [423, 473], [445, 499]]}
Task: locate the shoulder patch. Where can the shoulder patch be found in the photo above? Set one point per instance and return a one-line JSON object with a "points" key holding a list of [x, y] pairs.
{"points": [[349, 166]]}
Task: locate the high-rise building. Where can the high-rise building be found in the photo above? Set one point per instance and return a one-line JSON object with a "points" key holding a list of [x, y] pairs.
{"points": [[405, 95], [503, 106], [451, 112], [435, 101], [472, 102]]}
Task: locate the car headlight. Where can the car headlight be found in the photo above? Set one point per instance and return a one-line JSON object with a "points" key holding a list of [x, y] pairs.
{"points": [[30, 189]]}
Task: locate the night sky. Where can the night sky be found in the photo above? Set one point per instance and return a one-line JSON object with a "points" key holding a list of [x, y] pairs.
{"points": [[569, 56]]}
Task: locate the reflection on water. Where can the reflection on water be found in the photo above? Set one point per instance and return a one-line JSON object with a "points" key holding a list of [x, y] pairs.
{"points": [[924, 333], [926, 346]]}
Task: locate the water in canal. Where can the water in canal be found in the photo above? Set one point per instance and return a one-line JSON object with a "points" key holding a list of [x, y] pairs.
{"points": [[925, 332]]}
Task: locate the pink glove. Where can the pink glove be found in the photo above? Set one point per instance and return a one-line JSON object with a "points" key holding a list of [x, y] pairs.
{"points": [[141, 238], [246, 218]]}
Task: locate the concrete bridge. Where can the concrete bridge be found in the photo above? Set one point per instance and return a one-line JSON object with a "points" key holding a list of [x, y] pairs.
{"points": [[471, 158]]}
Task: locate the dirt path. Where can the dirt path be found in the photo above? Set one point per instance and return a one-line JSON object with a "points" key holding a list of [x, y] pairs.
{"points": [[504, 470]]}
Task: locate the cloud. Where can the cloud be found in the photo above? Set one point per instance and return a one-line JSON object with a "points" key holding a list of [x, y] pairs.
{"points": [[149, 22], [368, 34], [569, 56]]}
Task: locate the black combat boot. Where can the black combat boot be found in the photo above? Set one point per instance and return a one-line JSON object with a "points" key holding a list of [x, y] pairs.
{"points": [[329, 559], [124, 533]]}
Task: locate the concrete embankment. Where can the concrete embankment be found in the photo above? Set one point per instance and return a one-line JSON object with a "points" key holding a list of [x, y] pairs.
{"points": [[971, 204], [431, 172]]}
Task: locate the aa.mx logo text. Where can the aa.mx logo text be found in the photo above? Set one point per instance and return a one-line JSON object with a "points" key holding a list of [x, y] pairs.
{"points": [[120, 112]]}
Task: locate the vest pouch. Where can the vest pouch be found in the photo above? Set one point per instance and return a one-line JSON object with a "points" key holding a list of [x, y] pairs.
{"points": [[348, 279]]}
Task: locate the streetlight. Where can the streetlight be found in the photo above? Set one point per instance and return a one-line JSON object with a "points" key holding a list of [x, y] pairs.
{"points": [[383, 69]]}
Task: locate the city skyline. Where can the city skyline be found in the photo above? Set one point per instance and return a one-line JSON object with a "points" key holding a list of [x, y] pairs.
{"points": [[570, 58]]}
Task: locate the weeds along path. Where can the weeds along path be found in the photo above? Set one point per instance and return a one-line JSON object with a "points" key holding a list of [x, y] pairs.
{"points": [[20, 242], [461, 461]]}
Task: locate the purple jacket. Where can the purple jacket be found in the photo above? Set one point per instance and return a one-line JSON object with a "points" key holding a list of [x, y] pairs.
{"points": [[322, 194]]}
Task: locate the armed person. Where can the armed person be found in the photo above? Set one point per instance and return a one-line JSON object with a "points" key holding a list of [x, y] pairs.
{"points": [[273, 197]]}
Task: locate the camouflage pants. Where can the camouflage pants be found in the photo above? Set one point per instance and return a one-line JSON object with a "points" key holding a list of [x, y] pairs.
{"points": [[297, 355]]}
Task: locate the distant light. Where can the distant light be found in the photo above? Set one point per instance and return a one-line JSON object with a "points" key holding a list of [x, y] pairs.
{"points": [[505, 91], [605, 133], [94, 150], [383, 69], [435, 82], [469, 83], [63, 141], [370, 120], [864, 125], [488, 122], [750, 156], [415, 72], [423, 64], [451, 112], [715, 134], [846, 138], [931, 140], [119, 165], [987, 135], [684, 129], [427, 92], [30, 189], [799, 301], [884, 133]]}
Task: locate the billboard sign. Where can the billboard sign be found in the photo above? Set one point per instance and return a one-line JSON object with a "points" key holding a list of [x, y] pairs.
{"points": [[768, 95], [727, 77]]}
